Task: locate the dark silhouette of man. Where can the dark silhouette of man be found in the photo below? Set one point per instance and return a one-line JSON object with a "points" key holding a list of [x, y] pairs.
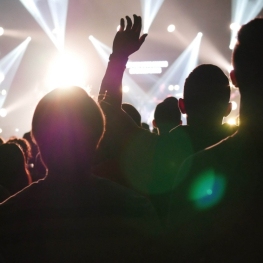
{"points": [[216, 206], [167, 115], [72, 215]]}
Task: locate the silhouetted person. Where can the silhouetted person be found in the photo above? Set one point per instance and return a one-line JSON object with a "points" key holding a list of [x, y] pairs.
{"points": [[72, 215], [132, 112], [216, 207], [167, 115], [14, 175], [145, 126]]}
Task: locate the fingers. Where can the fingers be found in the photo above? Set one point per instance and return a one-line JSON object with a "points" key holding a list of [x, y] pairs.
{"points": [[122, 25], [129, 23], [135, 23], [142, 38]]}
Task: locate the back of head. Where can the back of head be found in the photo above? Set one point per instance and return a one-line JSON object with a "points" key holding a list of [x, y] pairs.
{"points": [[167, 113], [67, 126], [13, 173], [247, 57], [132, 112], [206, 91]]}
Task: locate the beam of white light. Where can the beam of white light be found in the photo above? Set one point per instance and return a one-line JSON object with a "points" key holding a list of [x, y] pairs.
{"points": [[150, 9], [9, 65], [1, 31], [180, 69], [51, 16], [242, 12]]}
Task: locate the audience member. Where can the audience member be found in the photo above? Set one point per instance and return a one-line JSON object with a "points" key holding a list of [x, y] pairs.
{"points": [[72, 215], [216, 206], [14, 175], [132, 112], [167, 115]]}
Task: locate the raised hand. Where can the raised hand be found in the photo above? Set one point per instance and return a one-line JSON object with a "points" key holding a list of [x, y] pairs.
{"points": [[128, 40]]}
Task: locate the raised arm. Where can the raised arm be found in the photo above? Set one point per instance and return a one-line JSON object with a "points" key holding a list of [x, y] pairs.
{"points": [[127, 41]]}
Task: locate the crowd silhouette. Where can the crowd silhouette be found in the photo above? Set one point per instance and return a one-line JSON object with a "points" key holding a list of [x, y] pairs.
{"points": [[90, 184]]}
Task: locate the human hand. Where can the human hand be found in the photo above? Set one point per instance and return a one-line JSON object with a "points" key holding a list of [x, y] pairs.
{"points": [[128, 40]]}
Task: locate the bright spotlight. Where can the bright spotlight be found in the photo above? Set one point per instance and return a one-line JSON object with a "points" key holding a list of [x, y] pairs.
{"points": [[91, 37], [3, 92], [230, 68], [3, 112], [200, 34], [66, 70], [125, 89], [171, 28], [234, 26], [2, 77], [17, 130], [170, 87], [176, 87], [1, 130], [29, 39], [234, 105], [231, 121], [1, 31]]}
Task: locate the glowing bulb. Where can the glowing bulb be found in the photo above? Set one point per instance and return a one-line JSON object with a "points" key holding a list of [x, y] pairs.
{"points": [[170, 87], [3, 112], [3, 92], [232, 121], [17, 130], [91, 37], [171, 28], [234, 27], [125, 89], [234, 105], [1, 130], [200, 34], [1, 31], [176, 87], [29, 39]]}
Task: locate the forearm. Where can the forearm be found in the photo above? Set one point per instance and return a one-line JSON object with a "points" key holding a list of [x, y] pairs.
{"points": [[111, 86]]}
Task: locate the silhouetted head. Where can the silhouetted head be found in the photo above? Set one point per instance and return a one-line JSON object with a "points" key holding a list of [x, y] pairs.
{"points": [[13, 173], [132, 112], [67, 127], [247, 58], [206, 94], [25, 146], [167, 115]]}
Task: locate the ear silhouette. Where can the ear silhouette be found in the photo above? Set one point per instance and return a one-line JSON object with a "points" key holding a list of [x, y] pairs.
{"points": [[154, 124], [233, 78], [181, 106]]}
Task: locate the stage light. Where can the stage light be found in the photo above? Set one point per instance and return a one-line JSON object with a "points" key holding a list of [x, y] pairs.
{"points": [[91, 37], [125, 89], [9, 65], [51, 15], [176, 87], [1, 31], [67, 69], [29, 39], [200, 34], [171, 28], [16, 130], [150, 9], [3, 112], [1, 130], [230, 68], [170, 87], [3, 92], [234, 105], [234, 26], [231, 121], [2, 77]]}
